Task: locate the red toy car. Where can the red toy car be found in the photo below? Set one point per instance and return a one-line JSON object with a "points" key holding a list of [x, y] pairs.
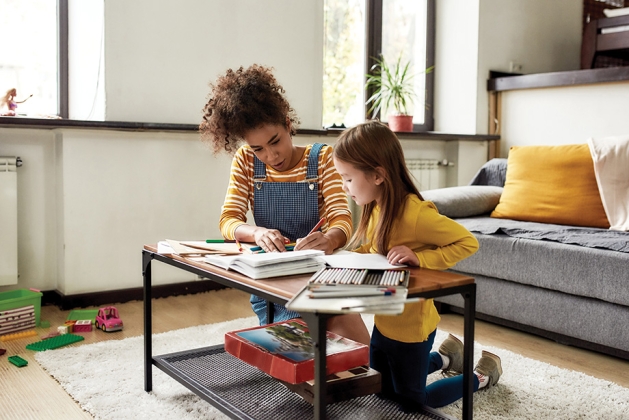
{"points": [[108, 319]]}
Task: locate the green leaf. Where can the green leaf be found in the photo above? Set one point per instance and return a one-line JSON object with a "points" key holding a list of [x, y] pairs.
{"points": [[392, 85]]}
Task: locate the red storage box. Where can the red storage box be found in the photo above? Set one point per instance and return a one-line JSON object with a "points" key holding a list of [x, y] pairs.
{"points": [[285, 350]]}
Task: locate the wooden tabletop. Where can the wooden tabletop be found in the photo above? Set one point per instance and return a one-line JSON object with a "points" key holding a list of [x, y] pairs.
{"points": [[421, 279]]}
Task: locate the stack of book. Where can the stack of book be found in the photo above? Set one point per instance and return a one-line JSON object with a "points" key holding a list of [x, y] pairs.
{"points": [[273, 264], [347, 298], [285, 351]]}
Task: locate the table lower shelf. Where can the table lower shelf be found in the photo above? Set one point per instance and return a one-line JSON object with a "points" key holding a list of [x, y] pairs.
{"points": [[244, 392]]}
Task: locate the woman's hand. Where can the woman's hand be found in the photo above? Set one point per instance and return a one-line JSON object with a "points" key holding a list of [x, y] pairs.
{"points": [[270, 240], [402, 255]]}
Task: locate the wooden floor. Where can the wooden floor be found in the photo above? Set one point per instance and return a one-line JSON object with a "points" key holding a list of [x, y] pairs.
{"points": [[30, 393]]}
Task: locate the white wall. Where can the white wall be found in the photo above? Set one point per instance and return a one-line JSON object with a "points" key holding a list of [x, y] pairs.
{"points": [[563, 115], [36, 204], [88, 200], [541, 36], [160, 54], [476, 36], [456, 63]]}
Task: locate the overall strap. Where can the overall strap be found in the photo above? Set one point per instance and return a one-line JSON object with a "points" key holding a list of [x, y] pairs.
{"points": [[313, 161], [259, 169]]}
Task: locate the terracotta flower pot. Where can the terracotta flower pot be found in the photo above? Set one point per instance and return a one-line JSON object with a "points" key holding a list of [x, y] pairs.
{"points": [[401, 123]]}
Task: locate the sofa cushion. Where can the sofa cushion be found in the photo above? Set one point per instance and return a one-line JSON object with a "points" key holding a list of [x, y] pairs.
{"points": [[465, 201], [493, 172], [552, 184], [577, 270]]}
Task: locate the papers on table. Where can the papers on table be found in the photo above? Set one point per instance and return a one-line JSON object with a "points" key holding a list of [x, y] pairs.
{"points": [[185, 248], [346, 259], [272, 264]]}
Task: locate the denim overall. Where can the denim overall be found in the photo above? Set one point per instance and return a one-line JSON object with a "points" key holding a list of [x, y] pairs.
{"points": [[290, 207]]}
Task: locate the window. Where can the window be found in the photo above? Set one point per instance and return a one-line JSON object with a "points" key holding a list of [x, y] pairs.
{"points": [[343, 62], [28, 54], [394, 28]]}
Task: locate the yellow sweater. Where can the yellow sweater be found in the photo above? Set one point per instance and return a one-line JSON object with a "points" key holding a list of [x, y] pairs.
{"points": [[333, 203], [439, 243]]}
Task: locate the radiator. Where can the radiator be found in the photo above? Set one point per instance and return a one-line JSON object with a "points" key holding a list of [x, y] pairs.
{"points": [[429, 174], [8, 220]]}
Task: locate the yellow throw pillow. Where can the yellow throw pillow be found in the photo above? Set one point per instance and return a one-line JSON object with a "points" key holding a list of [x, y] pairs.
{"points": [[551, 184]]}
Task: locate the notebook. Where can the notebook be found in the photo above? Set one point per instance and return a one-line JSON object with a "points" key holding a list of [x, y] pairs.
{"points": [[273, 264]]}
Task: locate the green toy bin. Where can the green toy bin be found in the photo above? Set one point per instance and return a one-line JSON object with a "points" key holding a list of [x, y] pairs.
{"points": [[19, 298]]}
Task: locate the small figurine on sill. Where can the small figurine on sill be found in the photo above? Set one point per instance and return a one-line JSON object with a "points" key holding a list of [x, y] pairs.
{"points": [[9, 100]]}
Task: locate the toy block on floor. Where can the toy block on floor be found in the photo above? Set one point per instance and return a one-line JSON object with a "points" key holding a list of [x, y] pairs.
{"points": [[50, 335], [77, 314], [18, 361], [70, 325], [18, 335], [54, 342], [82, 325]]}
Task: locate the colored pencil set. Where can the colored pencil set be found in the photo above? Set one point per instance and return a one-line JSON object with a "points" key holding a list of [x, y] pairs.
{"points": [[352, 276]]}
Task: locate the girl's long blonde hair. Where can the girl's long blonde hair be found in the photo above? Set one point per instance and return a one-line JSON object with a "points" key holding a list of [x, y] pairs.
{"points": [[368, 146]]}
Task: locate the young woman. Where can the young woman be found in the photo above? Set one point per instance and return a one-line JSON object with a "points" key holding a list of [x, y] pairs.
{"points": [[289, 188], [398, 223]]}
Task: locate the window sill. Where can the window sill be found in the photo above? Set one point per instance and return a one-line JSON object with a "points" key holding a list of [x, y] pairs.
{"points": [[53, 123]]}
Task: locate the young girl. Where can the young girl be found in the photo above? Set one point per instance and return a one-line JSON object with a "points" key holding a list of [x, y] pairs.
{"points": [[289, 188], [398, 223]]}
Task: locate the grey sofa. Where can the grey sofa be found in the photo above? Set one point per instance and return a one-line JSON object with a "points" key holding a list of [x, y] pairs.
{"points": [[569, 284]]}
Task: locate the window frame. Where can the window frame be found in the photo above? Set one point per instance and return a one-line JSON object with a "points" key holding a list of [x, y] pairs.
{"points": [[373, 45], [63, 62], [373, 23]]}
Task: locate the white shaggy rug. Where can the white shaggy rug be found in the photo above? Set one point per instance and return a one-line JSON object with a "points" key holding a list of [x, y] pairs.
{"points": [[107, 380]]}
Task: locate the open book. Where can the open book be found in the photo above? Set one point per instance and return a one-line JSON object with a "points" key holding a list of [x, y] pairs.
{"points": [[272, 264]]}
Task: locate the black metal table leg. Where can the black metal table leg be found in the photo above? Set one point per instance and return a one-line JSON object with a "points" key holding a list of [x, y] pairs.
{"points": [[468, 349], [317, 325], [270, 312], [148, 322]]}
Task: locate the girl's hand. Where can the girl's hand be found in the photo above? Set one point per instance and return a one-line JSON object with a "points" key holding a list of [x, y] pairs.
{"points": [[316, 240], [270, 240], [402, 255]]}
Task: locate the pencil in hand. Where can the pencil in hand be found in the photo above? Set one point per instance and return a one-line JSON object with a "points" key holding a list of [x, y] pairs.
{"points": [[317, 226]]}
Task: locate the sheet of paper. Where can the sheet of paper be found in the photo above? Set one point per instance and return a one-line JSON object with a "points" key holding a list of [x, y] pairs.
{"points": [[356, 260]]}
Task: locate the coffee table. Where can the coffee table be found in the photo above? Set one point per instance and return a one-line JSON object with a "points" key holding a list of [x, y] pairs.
{"points": [[238, 390]]}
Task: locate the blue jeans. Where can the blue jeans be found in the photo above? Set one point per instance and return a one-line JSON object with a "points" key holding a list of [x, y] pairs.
{"points": [[404, 368], [280, 313]]}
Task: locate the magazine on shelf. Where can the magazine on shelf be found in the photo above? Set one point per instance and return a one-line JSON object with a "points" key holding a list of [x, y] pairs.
{"points": [[285, 350], [343, 299], [271, 264]]}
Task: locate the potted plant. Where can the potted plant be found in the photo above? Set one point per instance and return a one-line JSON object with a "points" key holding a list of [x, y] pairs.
{"points": [[393, 92]]}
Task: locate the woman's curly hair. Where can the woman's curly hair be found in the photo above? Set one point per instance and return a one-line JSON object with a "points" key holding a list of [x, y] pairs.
{"points": [[241, 101]]}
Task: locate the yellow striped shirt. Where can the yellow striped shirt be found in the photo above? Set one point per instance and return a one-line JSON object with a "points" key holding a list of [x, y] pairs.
{"points": [[333, 204]]}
